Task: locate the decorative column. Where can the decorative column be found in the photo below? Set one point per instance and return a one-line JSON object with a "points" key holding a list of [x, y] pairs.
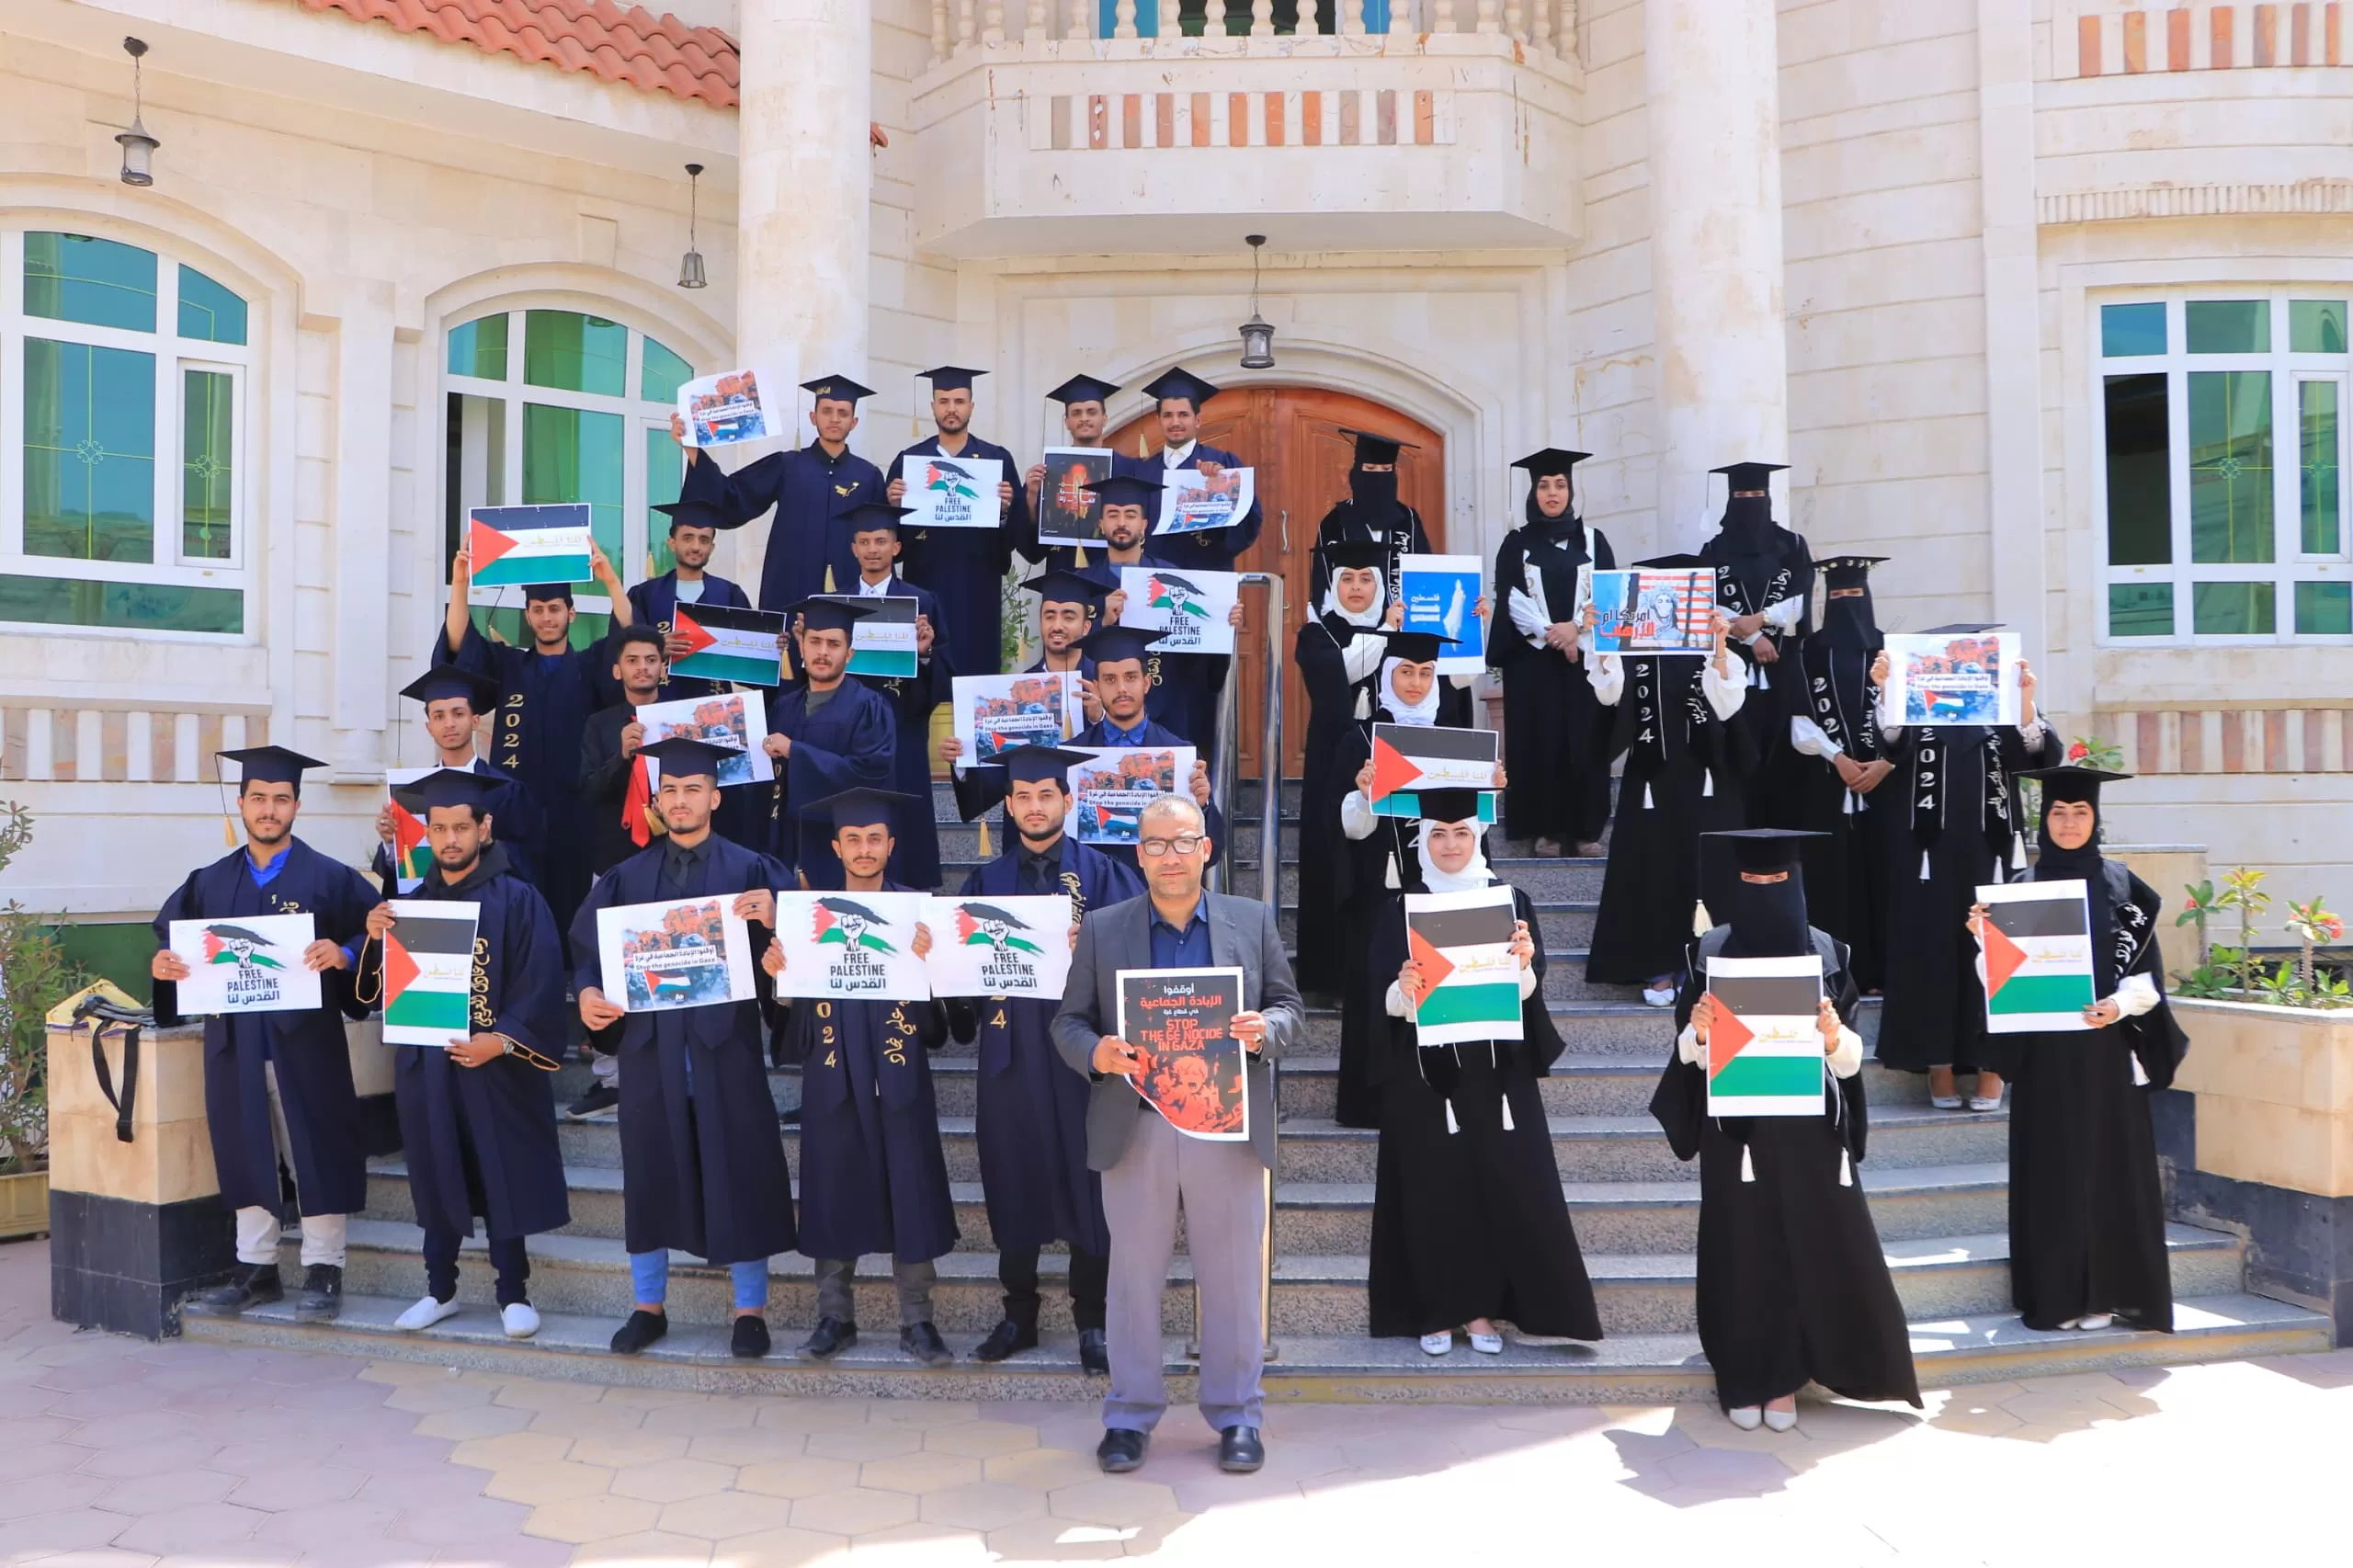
{"points": [[805, 171], [1715, 175], [362, 529]]}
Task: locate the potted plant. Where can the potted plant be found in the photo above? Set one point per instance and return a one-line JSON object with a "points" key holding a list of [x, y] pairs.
{"points": [[34, 976]]}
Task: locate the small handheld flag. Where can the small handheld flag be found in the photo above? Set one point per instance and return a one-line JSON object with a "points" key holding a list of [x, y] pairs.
{"points": [[509, 547], [729, 643]]}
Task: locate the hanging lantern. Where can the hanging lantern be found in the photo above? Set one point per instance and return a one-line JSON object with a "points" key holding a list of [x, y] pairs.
{"points": [[138, 147], [1257, 332], [690, 272]]}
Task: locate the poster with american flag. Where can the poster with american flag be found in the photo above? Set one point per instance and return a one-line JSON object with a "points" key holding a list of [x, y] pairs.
{"points": [[1654, 612]]}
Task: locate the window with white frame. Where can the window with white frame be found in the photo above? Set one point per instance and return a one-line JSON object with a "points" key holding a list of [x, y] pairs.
{"points": [[124, 495], [2221, 429], [549, 406]]}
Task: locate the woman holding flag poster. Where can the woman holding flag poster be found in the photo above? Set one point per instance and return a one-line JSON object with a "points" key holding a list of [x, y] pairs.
{"points": [[2087, 1222], [1469, 1223]]}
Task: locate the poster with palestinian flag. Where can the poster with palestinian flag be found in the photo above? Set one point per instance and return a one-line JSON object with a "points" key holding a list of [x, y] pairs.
{"points": [[679, 953], [727, 642], [1000, 946], [249, 964], [512, 546], [1189, 608], [951, 493], [1469, 975], [1764, 1055], [996, 714], [412, 856], [1409, 758], [428, 971], [853, 944], [2038, 947], [883, 642], [1109, 792]]}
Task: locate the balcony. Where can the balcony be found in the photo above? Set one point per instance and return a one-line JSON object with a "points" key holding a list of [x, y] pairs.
{"points": [[1040, 144]]}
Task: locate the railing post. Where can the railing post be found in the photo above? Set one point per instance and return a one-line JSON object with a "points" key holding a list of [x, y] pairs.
{"points": [[1540, 24], [1516, 19], [938, 30], [1262, 18], [1123, 19], [1082, 19], [1488, 16], [1441, 16], [992, 22], [1170, 26], [1351, 17], [1034, 28]]}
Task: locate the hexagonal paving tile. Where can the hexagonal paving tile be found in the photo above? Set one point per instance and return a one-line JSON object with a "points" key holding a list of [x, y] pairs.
{"points": [[984, 1506], [980, 1439], [1043, 1468], [472, 1423], [1111, 1500], [784, 1548], [647, 1549], [584, 1519], [802, 1477], [865, 1442], [511, 1448], [47, 1494], [621, 1449], [1057, 1541], [725, 1514], [920, 1472], [205, 1526], [672, 1481], [537, 1483], [746, 1445], [924, 1542], [854, 1510], [160, 1494]]}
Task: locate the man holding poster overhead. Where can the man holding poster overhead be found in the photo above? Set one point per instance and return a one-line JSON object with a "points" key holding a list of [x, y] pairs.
{"points": [[1148, 1167]]}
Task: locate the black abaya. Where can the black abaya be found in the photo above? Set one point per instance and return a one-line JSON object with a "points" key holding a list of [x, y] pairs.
{"points": [[1331, 701], [1556, 733], [1371, 870]]}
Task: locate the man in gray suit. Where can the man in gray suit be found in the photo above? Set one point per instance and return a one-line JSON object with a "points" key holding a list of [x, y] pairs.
{"points": [[1148, 1165]]}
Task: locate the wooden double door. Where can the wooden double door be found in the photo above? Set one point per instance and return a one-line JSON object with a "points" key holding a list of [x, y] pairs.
{"points": [[1290, 438]]}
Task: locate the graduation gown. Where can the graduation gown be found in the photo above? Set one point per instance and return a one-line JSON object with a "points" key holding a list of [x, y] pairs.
{"points": [[1684, 770], [483, 1140], [323, 1130], [1332, 699], [808, 550], [1368, 871], [1793, 1286], [704, 1160], [1400, 534], [873, 1176], [2088, 1217], [1469, 1223], [1556, 733], [1149, 733], [966, 567], [851, 740], [914, 854], [1846, 885], [514, 825], [655, 603], [1746, 585], [1031, 1120]]}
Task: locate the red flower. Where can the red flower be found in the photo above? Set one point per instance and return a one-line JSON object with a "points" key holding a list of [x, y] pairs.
{"points": [[2078, 751]]}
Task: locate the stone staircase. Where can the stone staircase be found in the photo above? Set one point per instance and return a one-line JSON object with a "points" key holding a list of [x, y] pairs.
{"points": [[1936, 1183]]}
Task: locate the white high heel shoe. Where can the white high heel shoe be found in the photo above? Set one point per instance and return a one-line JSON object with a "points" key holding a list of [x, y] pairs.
{"points": [[2092, 1320], [1780, 1420], [1748, 1417], [1438, 1343]]}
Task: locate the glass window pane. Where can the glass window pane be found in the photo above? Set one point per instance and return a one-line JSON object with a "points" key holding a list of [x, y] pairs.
{"points": [[664, 469], [136, 606], [2140, 609], [479, 348], [2126, 331], [2140, 477], [208, 311], [89, 452], [2318, 504], [207, 407], [475, 473], [2230, 466], [575, 353], [2229, 327], [661, 374], [569, 455], [76, 278], [2231, 609], [2325, 609], [2316, 326]]}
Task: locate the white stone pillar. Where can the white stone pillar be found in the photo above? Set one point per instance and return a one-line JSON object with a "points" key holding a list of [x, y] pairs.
{"points": [[362, 534], [803, 230], [1715, 175], [2014, 340]]}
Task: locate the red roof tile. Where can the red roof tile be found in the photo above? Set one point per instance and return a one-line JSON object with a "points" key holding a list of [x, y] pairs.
{"points": [[653, 53]]}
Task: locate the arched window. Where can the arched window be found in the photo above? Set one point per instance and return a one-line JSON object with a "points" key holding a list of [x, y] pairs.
{"points": [[123, 484], [548, 407]]}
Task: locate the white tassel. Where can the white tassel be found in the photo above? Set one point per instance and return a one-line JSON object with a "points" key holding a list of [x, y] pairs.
{"points": [[1845, 1169], [2017, 852], [1646, 794], [1701, 921], [1452, 1126], [1748, 1168], [1391, 875], [1364, 704], [1507, 1126], [1924, 865], [1708, 786]]}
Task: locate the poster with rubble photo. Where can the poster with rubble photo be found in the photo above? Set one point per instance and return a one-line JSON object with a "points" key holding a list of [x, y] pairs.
{"points": [[1111, 790], [1942, 677]]}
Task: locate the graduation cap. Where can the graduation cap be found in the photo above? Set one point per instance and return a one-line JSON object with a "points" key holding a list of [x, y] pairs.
{"points": [[1670, 564], [841, 389], [1032, 765], [697, 515], [1116, 644], [1127, 490], [1355, 554], [2072, 781], [1449, 805], [1372, 448], [1550, 460], [1848, 570], [1765, 849], [1178, 382], [445, 681], [950, 377], [270, 765], [1084, 389], [541, 591], [829, 614], [1062, 585], [863, 806], [683, 756], [868, 515], [457, 787], [1749, 476], [1417, 647]]}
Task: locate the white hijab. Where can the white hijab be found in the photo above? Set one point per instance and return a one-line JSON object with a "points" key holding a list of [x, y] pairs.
{"points": [[1369, 619], [1474, 875], [1400, 712]]}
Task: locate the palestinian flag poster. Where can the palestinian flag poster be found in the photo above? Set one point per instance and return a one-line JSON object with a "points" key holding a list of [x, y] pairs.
{"points": [[882, 643], [252, 963], [951, 493], [853, 944], [512, 546], [412, 856], [1189, 608], [1181, 1023], [726, 643], [680, 952], [996, 714], [1764, 1055], [1000, 946], [1408, 758], [1109, 792], [1462, 941], [2038, 950], [428, 971]]}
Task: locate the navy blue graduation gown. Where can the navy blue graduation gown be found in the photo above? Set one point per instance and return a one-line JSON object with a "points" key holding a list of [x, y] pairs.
{"points": [[1149, 733], [703, 1160], [810, 492], [873, 1177], [503, 1112], [966, 567], [656, 602], [982, 787], [852, 740], [323, 1122], [1031, 1121], [915, 855], [516, 826]]}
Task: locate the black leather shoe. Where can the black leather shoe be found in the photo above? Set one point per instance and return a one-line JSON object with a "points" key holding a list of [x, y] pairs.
{"points": [[750, 1338], [831, 1337], [1094, 1353], [253, 1285], [1119, 1451], [1239, 1450], [641, 1330], [922, 1341], [1007, 1338], [322, 1297]]}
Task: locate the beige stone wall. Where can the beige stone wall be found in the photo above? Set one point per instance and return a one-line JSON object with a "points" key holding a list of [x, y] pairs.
{"points": [[2275, 1094]]}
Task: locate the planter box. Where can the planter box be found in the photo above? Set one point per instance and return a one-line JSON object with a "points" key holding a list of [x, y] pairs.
{"points": [[24, 1205]]}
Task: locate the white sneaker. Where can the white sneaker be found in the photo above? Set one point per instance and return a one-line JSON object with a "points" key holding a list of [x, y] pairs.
{"points": [[1438, 1343], [521, 1318], [1781, 1420], [1748, 1417], [1658, 998], [426, 1314], [1487, 1344], [2091, 1321]]}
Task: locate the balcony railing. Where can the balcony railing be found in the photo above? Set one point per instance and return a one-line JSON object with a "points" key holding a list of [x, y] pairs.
{"points": [[1547, 25]]}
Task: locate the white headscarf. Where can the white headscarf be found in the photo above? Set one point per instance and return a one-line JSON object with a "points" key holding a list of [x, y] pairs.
{"points": [[1474, 875], [1369, 619], [1421, 712]]}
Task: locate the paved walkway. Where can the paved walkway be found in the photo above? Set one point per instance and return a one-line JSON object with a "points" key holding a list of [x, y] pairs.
{"points": [[120, 1453]]}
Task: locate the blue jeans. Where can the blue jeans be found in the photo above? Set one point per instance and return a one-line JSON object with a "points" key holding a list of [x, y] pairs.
{"points": [[648, 1275]]}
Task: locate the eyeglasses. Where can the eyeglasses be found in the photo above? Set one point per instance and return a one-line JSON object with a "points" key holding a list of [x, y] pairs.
{"points": [[1183, 844]]}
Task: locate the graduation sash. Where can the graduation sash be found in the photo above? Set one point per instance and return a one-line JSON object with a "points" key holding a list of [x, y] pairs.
{"points": [[1647, 753], [1930, 760]]}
